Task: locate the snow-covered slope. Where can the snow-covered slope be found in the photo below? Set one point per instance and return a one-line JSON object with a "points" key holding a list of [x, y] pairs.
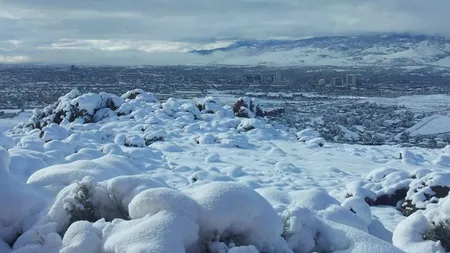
{"points": [[407, 50], [105, 174], [433, 125]]}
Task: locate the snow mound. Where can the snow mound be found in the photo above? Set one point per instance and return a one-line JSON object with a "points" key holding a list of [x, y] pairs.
{"points": [[140, 95], [5, 141], [307, 134], [58, 176]]}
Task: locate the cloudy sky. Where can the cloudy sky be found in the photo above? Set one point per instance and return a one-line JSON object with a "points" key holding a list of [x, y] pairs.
{"points": [[158, 31]]}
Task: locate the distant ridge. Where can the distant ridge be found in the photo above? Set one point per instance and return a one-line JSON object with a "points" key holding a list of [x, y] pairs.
{"points": [[391, 49]]}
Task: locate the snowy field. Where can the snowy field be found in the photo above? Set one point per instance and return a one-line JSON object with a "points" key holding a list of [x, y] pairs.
{"points": [[9, 123], [101, 173], [417, 103], [436, 124]]}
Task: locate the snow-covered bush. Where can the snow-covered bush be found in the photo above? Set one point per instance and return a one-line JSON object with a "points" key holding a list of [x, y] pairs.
{"points": [[19, 203], [54, 132], [247, 108], [210, 105], [74, 106], [307, 134], [316, 142], [250, 124], [425, 232], [141, 95], [425, 191], [154, 137], [408, 192]]}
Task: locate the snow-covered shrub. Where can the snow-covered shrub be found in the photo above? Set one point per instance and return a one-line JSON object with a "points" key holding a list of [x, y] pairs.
{"points": [[54, 132], [134, 140], [414, 234], [154, 137], [408, 157], [39, 239], [192, 108], [429, 228], [82, 236], [247, 108], [207, 139], [250, 124], [307, 134], [234, 139], [84, 200], [74, 106], [384, 186], [408, 192], [439, 233], [141, 95], [360, 208], [19, 203], [425, 191], [171, 106], [304, 232], [316, 142], [210, 105], [230, 211]]}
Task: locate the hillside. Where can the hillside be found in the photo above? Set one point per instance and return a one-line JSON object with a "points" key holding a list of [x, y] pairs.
{"points": [[400, 50], [101, 173]]}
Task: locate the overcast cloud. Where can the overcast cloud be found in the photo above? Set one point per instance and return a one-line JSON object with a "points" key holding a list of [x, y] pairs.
{"points": [[158, 31]]}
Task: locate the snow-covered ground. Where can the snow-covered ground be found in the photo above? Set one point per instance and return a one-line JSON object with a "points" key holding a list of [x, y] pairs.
{"points": [[417, 103], [9, 123], [133, 174], [433, 125]]}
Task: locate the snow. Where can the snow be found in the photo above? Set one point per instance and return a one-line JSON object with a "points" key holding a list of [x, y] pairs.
{"points": [[408, 235], [416, 103], [433, 125], [348, 135], [171, 177], [307, 134]]}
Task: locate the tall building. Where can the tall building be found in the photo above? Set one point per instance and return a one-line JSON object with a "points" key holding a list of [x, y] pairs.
{"points": [[350, 80], [257, 79], [249, 78], [278, 77], [337, 81], [312, 80]]}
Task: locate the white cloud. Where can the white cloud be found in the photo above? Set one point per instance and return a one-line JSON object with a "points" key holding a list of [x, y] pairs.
{"points": [[13, 59]]}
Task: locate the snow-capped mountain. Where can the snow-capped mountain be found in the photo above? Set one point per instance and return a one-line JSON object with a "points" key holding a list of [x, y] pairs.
{"points": [[339, 50]]}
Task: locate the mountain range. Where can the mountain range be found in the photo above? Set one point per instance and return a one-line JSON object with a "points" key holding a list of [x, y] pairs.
{"points": [[392, 49]]}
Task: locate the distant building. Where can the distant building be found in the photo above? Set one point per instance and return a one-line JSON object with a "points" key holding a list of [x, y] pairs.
{"points": [[350, 80], [238, 77], [337, 81], [249, 78], [73, 68], [257, 79], [312, 80], [277, 78]]}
